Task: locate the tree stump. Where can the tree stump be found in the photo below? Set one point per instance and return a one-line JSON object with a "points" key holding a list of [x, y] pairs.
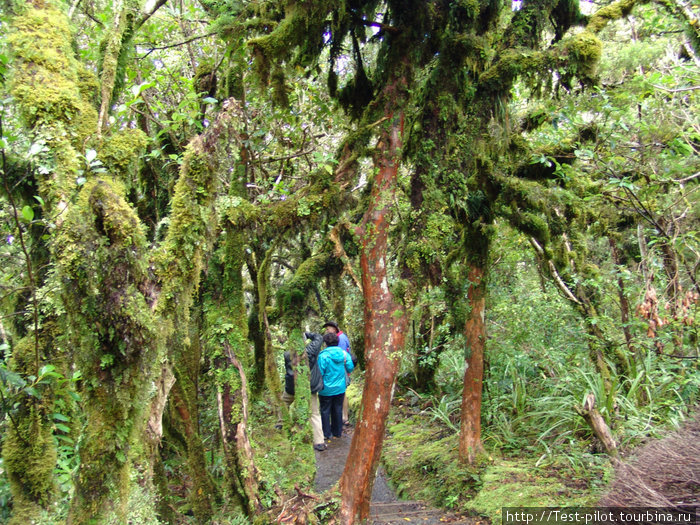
{"points": [[596, 421]]}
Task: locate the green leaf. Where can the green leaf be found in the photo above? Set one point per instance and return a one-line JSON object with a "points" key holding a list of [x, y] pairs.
{"points": [[90, 155], [210, 100], [60, 417], [39, 200], [32, 392], [62, 427], [11, 378], [28, 213], [46, 369]]}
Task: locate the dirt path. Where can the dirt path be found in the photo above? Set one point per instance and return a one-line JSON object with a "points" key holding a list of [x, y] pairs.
{"points": [[386, 509]]}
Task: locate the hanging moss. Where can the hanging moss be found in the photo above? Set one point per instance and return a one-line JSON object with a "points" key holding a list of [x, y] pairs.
{"points": [[280, 91], [301, 20]]}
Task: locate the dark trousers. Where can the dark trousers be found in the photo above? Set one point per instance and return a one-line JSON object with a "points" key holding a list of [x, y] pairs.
{"points": [[332, 415]]}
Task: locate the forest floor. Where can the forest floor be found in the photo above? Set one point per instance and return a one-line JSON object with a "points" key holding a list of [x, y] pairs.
{"points": [[385, 508]]}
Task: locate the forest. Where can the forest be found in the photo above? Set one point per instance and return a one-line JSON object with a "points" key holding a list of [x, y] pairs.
{"points": [[496, 200]]}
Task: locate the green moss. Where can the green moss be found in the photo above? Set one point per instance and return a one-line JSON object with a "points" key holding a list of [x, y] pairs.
{"points": [[192, 223], [421, 458], [120, 151], [48, 85], [354, 394], [521, 484], [29, 456], [610, 12], [584, 51], [114, 51], [283, 463], [422, 462], [102, 268], [45, 82], [28, 448]]}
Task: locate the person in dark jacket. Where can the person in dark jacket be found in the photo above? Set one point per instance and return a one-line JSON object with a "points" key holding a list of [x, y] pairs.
{"points": [[316, 383], [333, 362]]}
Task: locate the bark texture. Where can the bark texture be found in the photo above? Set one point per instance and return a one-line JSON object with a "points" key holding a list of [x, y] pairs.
{"points": [[475, 334], [384, 334]]}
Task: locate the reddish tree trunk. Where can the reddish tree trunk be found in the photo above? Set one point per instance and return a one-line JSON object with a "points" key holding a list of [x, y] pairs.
{"points": [[475, 334], [385, 329]]}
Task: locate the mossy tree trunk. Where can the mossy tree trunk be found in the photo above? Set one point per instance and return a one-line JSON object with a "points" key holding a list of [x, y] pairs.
{"points": [[46, 83], [228, 348], [28, 449], [242, 473], [272, 379], [255, 332], [185, 398], [427, 347], [102, 264]]}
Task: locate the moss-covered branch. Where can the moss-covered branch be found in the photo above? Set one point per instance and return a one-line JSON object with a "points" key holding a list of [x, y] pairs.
{"points": [[576, 56], [614, 11], [293, 294]]}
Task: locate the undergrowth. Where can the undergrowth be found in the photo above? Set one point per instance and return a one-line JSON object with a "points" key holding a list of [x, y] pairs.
{"points": [[421, 457]]}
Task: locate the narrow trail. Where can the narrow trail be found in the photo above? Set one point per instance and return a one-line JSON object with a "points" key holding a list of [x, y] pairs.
{"points": [[386, 508]]}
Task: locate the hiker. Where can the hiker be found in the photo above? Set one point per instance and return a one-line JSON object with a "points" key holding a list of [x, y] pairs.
{"points": [[344, 343], [316, 383], [333, 362]]}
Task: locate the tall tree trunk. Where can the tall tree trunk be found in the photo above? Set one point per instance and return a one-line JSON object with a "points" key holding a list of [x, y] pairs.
{"points": [[385, 328], [272, 379], [101, 264], [255, 333], [185, 400], [475, 333]]}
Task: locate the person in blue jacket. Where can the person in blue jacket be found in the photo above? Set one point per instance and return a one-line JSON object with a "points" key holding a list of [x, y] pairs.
{"points": [[344, 343], [333, 362]]}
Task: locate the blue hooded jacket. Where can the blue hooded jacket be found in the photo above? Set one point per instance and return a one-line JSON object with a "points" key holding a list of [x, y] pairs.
{"points": [[333, 363]]}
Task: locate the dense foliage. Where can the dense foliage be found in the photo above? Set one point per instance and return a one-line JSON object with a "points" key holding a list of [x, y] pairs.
{"points": [[188, 186]]}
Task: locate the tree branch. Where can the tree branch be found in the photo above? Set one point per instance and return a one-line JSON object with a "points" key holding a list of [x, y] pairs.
{"points": [[555, 274]]}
